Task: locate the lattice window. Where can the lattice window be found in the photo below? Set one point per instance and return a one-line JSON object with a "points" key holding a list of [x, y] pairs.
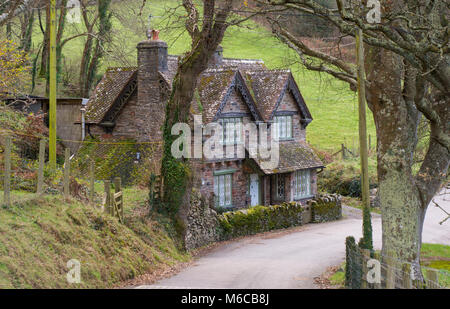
{"points": [[232, 130], [283, 127], [280, 186], [302, 184], [223, 190]]}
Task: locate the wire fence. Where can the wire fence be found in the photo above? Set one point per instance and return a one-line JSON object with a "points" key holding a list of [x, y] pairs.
{"points": [[367, 269], [80, 172]]}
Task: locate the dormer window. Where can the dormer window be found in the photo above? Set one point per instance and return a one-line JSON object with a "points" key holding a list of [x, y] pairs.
{"points": [[232, 130], [283, 127]]}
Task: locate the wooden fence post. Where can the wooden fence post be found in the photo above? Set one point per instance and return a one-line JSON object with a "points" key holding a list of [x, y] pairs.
{"points": [[66, 173], [92, 181], [40, 183], [432, 279], [117, 189], [406, 271], [107, 184], [343, 151], [7, 176], [390, 273]]}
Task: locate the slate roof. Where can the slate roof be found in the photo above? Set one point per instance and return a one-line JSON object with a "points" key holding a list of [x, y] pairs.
{"points": [[293, 156], [211, 91], [263, 89], [267, 86], [106, 92]]}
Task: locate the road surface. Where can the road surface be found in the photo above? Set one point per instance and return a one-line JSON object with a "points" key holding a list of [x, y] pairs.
{"points": [[291, 260]]}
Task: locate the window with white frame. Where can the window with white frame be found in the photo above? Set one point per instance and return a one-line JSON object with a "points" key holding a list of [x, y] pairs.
{"points": [[283, 127], [223, 190], [302, 184], [231, 129]]}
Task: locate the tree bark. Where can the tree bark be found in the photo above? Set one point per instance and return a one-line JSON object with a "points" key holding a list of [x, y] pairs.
{"points": [[179, 175], [404, 197]]}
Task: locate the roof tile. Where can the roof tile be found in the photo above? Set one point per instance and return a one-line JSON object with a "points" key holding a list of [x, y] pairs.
{"points": [[106, 92], [293, 155]]}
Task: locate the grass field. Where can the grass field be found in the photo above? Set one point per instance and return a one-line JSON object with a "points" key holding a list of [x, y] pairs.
{"points": [[332, 104], [39, 237], [434, 256]]}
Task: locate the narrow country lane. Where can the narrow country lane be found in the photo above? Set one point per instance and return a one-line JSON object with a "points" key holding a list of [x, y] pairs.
{"points": [[290, 260]]}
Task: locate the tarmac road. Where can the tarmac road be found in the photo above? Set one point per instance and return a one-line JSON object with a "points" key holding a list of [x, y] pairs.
{"points": [[291, 259]]}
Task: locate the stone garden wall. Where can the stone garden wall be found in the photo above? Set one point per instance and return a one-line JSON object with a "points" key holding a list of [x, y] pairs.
{"points": [[202, 223], [325, 208], [205, 225], [259, 219]]}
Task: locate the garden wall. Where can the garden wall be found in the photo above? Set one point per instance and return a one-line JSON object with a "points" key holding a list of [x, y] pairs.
{"points": [[205, 225], [259, 219], [325, 208]]}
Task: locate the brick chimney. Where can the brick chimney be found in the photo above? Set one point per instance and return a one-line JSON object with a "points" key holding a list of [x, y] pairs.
{"points": [[150, 110]]}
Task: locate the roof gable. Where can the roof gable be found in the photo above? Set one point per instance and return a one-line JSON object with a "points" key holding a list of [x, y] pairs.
{"points": [[267, 87], [261, 89], [214, 89], [295, 91]]}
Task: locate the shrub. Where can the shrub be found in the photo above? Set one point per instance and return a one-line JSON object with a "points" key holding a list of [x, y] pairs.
{"points": [[343, 179]]}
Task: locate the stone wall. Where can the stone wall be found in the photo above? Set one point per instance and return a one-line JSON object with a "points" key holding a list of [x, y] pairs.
{"points": [[205, 225], [325, 208], [202, 223], [259, 219]]}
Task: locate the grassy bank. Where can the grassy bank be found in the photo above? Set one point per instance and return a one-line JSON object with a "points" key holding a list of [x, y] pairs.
{"points": [[39, 237]]}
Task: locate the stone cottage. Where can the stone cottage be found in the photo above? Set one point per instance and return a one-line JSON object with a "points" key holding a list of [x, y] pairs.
{"points": [[130, 103]]}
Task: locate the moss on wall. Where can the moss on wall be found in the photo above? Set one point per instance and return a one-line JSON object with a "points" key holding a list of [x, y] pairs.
{"points": [[325, 208], [259, 219], [115, 159]]}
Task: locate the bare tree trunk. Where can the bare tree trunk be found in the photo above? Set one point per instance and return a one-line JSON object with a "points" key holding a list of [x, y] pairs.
{"points": [[178, 174], [46, 44], [27, 30]]}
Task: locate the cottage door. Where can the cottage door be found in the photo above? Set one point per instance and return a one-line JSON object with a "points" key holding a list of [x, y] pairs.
{"points": [[254, 189]]}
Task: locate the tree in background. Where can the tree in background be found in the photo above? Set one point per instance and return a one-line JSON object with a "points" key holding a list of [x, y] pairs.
{"points": [[98, 27], [61, 10], [14, 69], [408, 76], [12, 8]]}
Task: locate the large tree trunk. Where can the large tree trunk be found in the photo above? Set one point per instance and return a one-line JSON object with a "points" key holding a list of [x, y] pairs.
{"points": [[179, 175], [404, 197]]}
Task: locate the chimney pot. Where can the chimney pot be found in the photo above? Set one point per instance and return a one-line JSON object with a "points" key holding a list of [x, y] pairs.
{"points": [[155, 35]]}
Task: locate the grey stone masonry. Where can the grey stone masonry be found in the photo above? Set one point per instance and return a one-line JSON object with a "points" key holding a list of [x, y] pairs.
{"points": [[150, 110]]}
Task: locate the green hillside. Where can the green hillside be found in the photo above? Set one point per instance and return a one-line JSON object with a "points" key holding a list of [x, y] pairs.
{"points": [[332, 104]]}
